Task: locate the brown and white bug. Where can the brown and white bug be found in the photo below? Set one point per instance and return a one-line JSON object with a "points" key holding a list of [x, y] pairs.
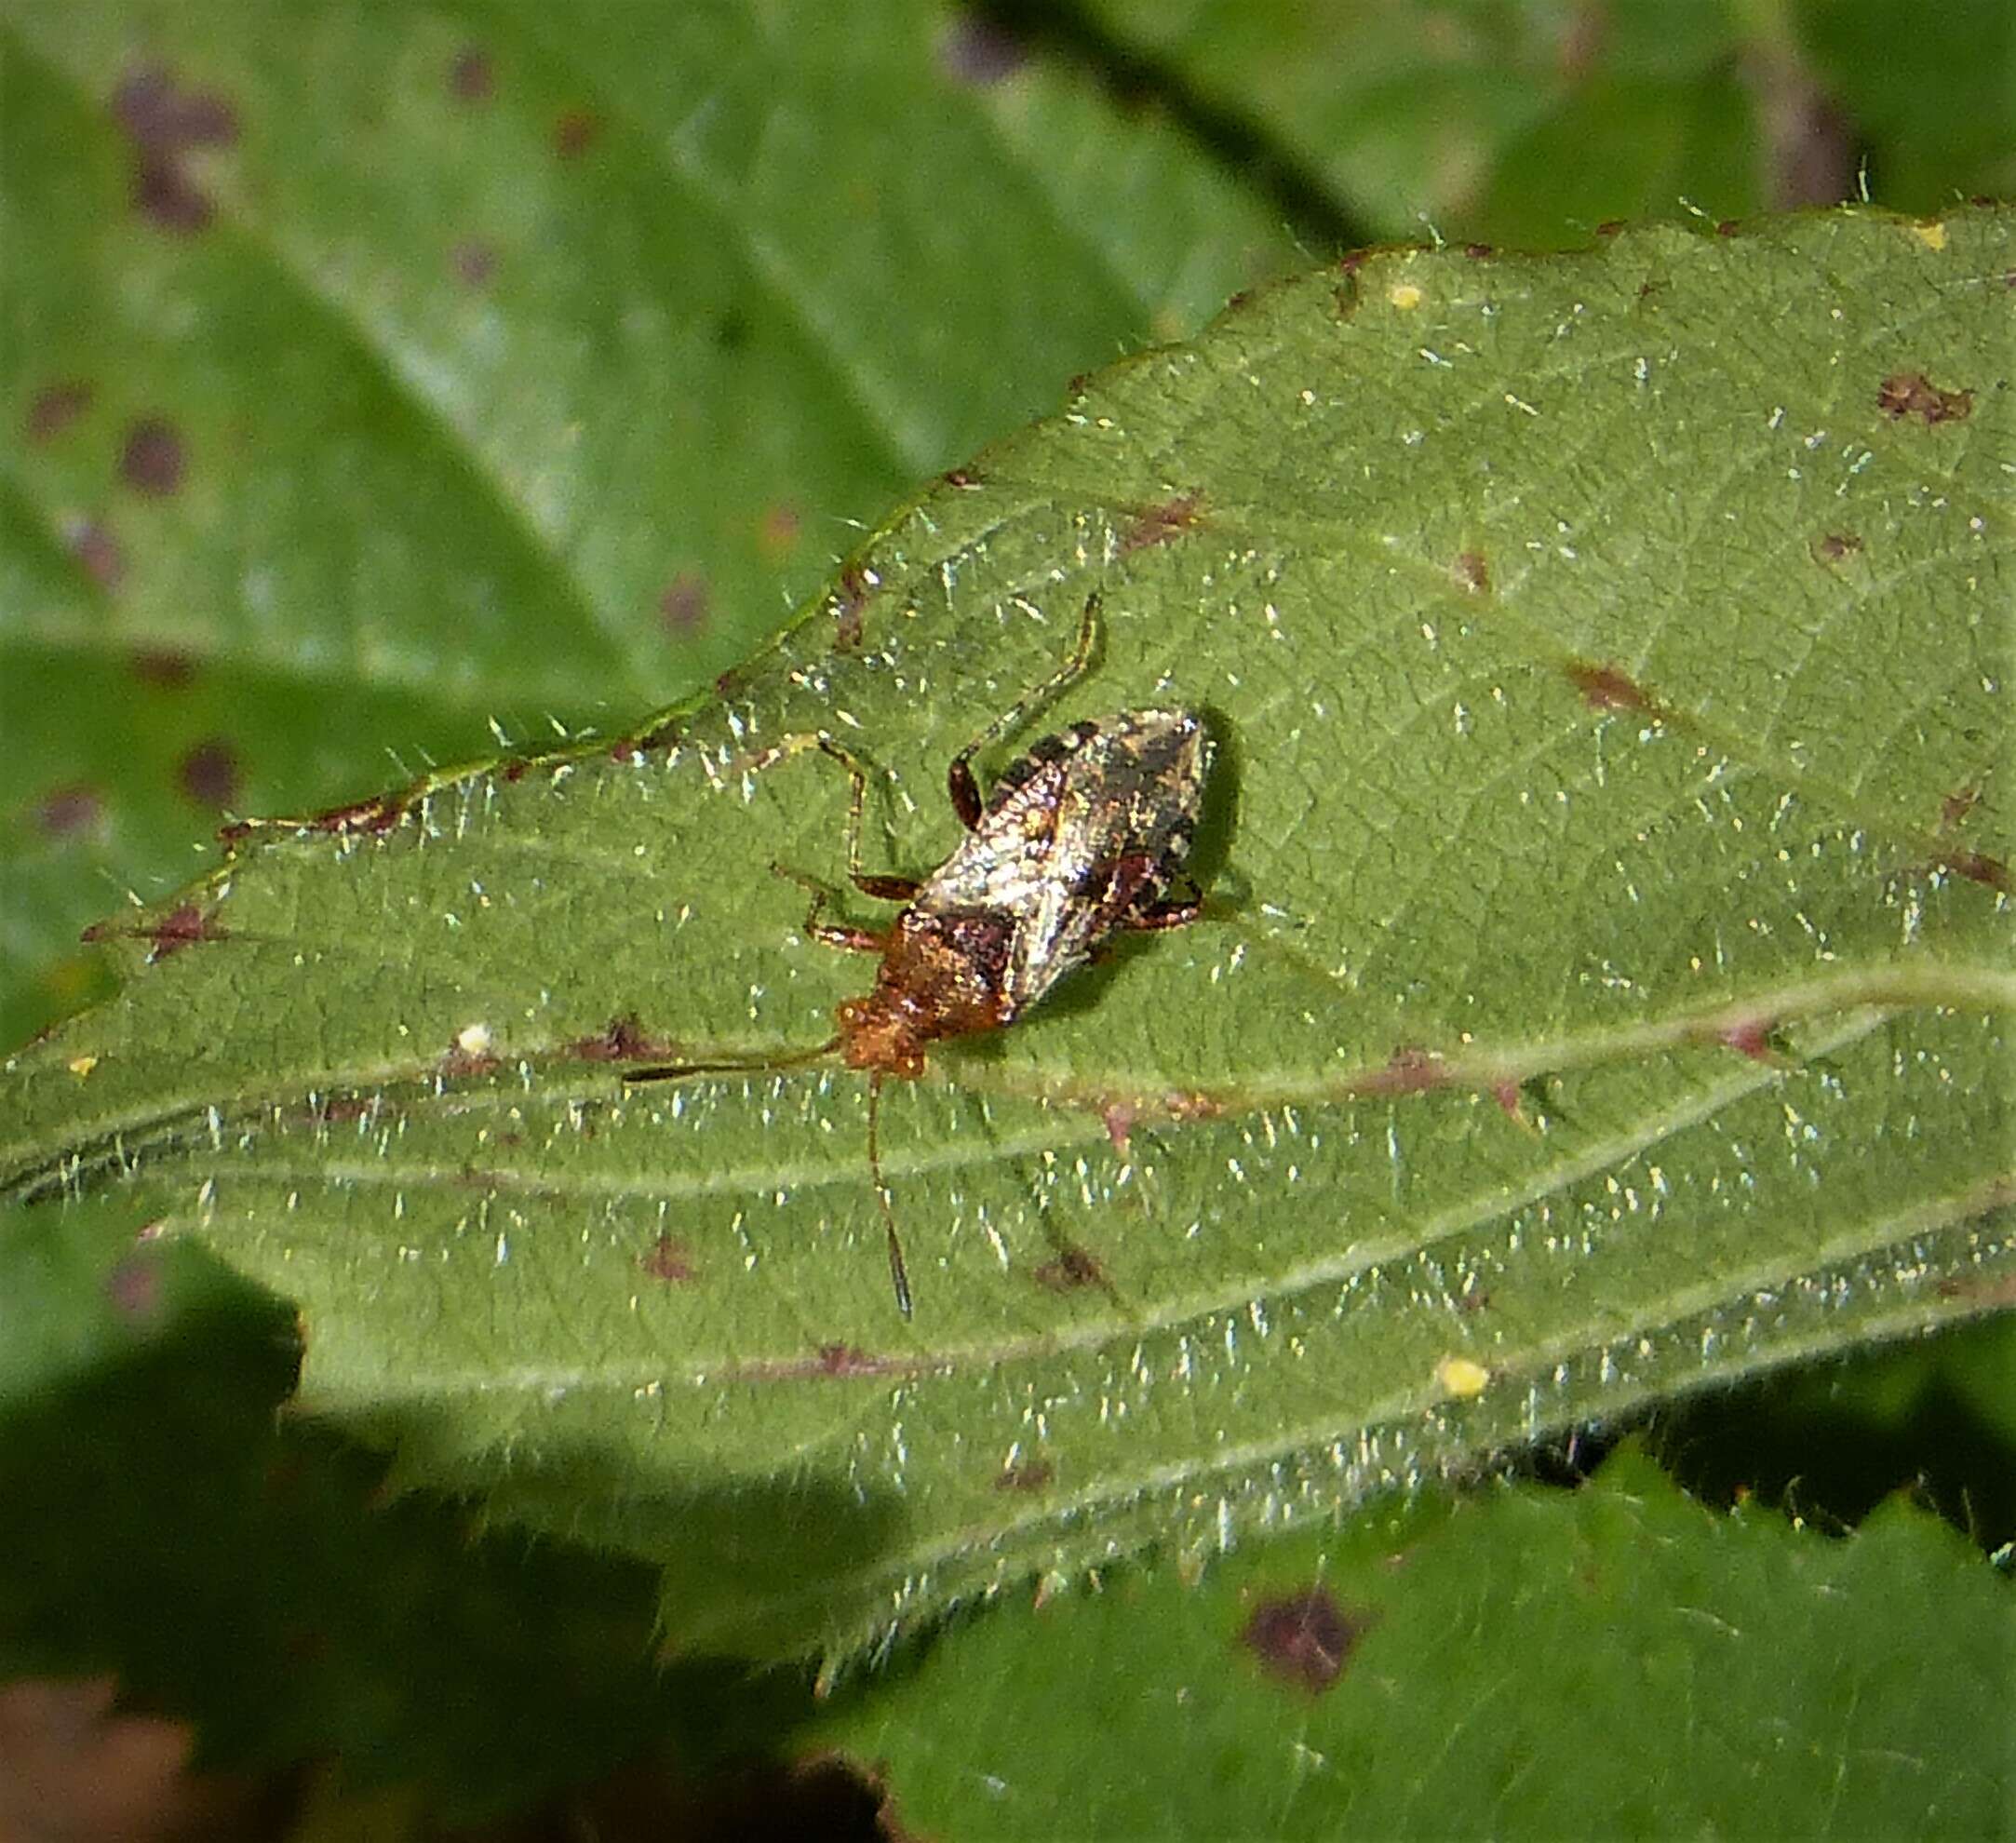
{"points": [[1081, 839]]}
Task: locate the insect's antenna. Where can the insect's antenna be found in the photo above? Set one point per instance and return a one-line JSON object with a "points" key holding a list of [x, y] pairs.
{"points": [[896, 1269], [751, 1065]]}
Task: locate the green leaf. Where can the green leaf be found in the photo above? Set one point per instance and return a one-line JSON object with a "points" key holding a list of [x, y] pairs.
{"points": [[377, 375], [1530, 124], [1603, 988], [1611, 1662]]}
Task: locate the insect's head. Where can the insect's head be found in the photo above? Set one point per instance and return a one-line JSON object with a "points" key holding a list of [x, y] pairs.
{"points": [[876, 1034]]}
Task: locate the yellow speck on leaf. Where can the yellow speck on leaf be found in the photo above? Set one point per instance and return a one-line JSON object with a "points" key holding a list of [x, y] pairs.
{"points": [[81, 1066], [1933, 237], [1462, 1377], [1405, 295]]}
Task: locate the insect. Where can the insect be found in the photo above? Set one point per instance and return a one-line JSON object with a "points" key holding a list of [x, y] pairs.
{"points": [[1081, 839]]}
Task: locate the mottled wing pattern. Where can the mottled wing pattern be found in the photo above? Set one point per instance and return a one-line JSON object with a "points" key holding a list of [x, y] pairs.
{"points": [[1086, 828]]}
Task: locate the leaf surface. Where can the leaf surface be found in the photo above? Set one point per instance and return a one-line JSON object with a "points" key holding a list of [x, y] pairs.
{"points": [[375, 376], [1603, 989]]}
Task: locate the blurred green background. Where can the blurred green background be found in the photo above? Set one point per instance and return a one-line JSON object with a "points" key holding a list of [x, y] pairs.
{"points": [[384, 381], [387, 385]]}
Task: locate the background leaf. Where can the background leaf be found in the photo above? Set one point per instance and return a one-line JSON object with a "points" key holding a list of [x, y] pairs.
{"points": [[380, 378], [1532, 1664], [1534, 123], [1603, 990], [171, 181]]}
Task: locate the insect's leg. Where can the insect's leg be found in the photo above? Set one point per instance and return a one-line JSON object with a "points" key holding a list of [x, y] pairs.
{"points": [[1133, 877], [885, 889], [834, 934], [678, 1071], [959, 780], [897, 1273], [1176, 913]]}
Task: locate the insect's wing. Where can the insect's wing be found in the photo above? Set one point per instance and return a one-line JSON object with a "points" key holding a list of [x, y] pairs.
{"points": [[1087, 829]]}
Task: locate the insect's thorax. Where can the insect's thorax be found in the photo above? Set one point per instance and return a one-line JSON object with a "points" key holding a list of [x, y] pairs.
{"points": [[942, 976], [1081, 837]]}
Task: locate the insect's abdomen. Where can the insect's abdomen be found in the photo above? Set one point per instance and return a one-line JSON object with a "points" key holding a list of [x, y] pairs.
{"points": [[1086, 830]]}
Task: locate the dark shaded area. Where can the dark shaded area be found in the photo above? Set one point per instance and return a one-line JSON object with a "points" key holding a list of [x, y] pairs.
{"points": [[1812, 1442], [1047, 28], [162, 1526]]}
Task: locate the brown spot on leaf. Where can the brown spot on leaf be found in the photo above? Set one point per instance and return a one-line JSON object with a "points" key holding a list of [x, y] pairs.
{"points": [[1728, 227], [1026, 1475], [624, 1041], [1074, 1267], [966, 478], [1753, 1036], [1912, 393], [165, 196], [470, 78], [69, 810], [180, 927], [1833, 545], [152, 459], [1163, 522], [133, 1290], [97, 551], [164, 120], [160, 114], [1119, 1119], [163, 667], [842, 1360], [1409, 1071], [668, 1259], [1607, 687], [575, 133], [1478, 251], [208, 773], [343, 1110], [363, 815], [847, 605], [473, 262], [1809, 143], [55, 406], [1957, 805], [1471, 572], [978, 49], [1304, 1639], [777, 535], [1977, 866], [682, 609], [1609, 227]]}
